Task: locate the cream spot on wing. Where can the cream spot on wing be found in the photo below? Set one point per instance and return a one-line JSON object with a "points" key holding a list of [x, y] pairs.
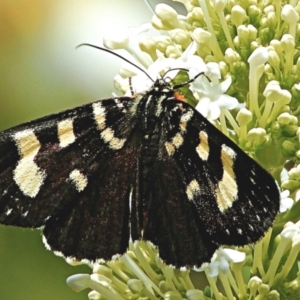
{"points": [[192, 189], [227, 188], [182, 126], [65, 133], [109, 138], [185, 119], [27, 175], [79, 180], [99, 115], [170, 148], [203, 147], [177, 140], [187, 116]]}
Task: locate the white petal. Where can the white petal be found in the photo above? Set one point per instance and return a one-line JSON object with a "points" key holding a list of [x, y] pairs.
{"points": [[196, 63], [161, 64], [203, 106], [189, 51], [232, 255], [213, 71], [225, 84], [286, 204], [284, 194], [214, 269], [214, 111], [201, 84], [225, 101], [224, 265]]}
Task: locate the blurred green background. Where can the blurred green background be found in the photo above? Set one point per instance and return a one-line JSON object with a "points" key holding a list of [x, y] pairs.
{"points": [[41, 73]]}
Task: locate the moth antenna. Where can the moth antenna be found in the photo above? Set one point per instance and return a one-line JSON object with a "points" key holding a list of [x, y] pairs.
{"points": [[187, 82], [118, 55], [130, 86], [180, 69]]}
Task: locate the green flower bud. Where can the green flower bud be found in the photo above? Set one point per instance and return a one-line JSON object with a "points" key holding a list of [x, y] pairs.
{"points": [[164, 286], [287, 118], [297, 154], [231, 56], [93, 295], [196, 15], [162, 42], [271, 20], [293, 285], [238, 15], [294, 173], [172, 295], [289, 130], [254, 13], [274, 59], [273, 295], [268, 9], [263, 290], [244, 116], [172, 52], [258, 137], [290, 185], [243, 34], [287, 43], [254, 284], [180, 37], [165, 12], [135, 285], [289, 148], [291, 16], [252, 31], [148, 45], [277, 46], [201, 36], [194, 295]]}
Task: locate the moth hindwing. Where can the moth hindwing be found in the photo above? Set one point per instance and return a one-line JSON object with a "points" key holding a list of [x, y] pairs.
{"points": [[150, 168]]}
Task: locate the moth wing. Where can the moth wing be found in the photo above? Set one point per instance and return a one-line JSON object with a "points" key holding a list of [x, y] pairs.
{"points": [[172, 222], [235, 199], [64, 172]]}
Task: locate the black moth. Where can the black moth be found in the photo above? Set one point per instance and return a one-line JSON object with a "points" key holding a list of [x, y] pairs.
{"points": [[145, 168]]}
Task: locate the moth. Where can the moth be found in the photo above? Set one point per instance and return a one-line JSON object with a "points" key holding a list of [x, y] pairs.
{"points": [[148, 167]]}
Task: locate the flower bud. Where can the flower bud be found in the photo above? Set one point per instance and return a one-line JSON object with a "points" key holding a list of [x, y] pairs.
{"points": [[238, 15], [244, 116]]}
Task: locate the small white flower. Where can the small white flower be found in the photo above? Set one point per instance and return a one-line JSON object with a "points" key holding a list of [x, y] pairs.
{"points": [[285, 202], [221, 260], [211, 96]]}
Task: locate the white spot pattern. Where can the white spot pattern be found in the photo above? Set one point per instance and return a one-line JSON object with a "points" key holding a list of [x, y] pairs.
{"points": [[65, 133], [79, 180], [192, 189], [27, 175]]}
